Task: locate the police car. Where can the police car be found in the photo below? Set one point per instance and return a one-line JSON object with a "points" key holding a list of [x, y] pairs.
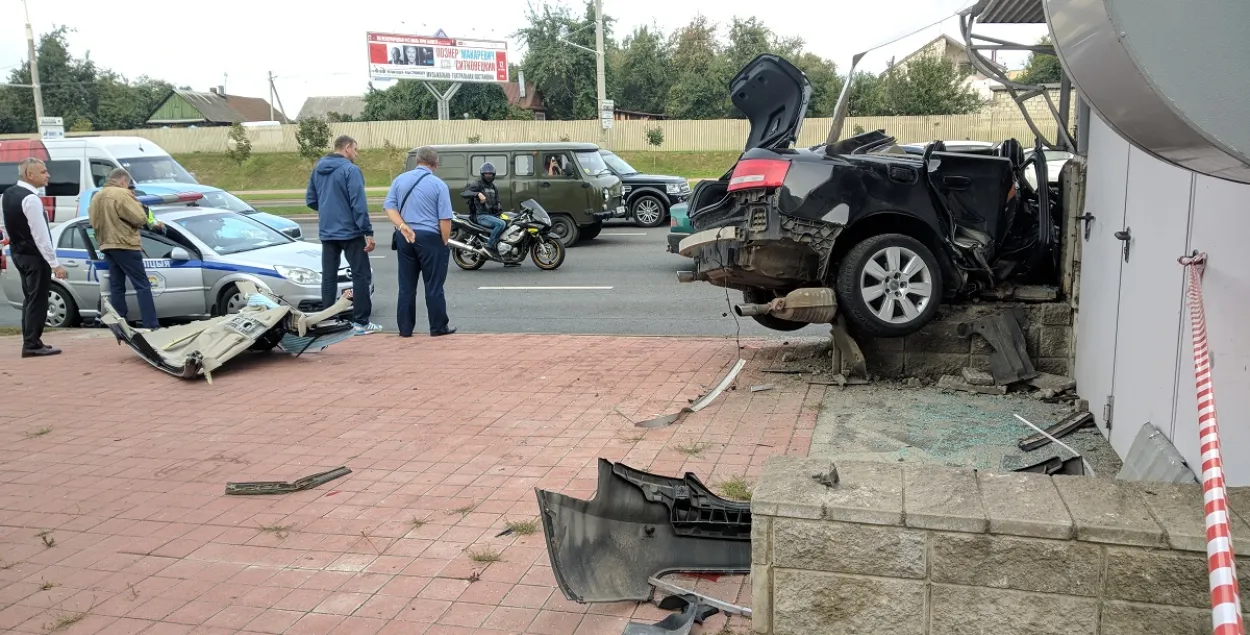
{"points": [[214, 197], [193, 265]]}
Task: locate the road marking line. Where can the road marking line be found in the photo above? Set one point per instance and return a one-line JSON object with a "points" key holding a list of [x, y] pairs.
{"points": [[624, 234], [543, 288], [377, 257]]}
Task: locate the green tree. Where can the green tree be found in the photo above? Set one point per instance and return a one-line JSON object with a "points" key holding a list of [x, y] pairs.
{"points": [[928, 85], [1042, 68], [81, 125], [565, 75], [865, 99], [313, 137], [825, 81], [644, 71], [238, 146], [699, 88]]}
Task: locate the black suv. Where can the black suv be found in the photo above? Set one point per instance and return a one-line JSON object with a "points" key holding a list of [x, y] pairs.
{"points": [[887, 232], [648, 197]]}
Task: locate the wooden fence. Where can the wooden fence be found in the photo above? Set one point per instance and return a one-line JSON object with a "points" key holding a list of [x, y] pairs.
{"points": [[687, 136]]}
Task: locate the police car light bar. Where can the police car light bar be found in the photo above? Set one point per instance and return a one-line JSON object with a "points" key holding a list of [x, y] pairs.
{"points": [[169, 199]]}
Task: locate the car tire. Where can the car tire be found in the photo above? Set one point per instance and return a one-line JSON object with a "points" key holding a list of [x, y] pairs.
{"points": [[565, 230], [224, 299], [62, 310], [648, 211], [762, 296], [591, 232], [900, 264]]}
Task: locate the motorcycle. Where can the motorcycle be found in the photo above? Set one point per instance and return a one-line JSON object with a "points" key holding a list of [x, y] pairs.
{"points": [[528, 231]]}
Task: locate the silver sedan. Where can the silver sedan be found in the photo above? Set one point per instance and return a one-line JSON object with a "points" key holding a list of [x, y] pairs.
{"points": [[192, 265]]}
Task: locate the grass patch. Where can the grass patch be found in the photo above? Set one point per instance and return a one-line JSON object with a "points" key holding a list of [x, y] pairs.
{"points": [[522, 527], [288, 171], [64, 621], [280, 531], [485, 555], [735, 488], [8, 331], [463, 510], [38, 432], [46, 537], [48, 586], [286, 210], [416, 523], [690, 449]]}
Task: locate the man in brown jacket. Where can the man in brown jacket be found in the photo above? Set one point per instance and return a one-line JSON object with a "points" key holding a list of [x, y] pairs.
{"points": [[116, 216]]}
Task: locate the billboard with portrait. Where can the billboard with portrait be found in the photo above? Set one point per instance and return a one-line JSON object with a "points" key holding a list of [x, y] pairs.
{"points": [[397, 56]]}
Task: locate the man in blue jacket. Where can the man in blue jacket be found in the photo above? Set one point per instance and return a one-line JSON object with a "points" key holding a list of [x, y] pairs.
{"points": [[336, 191]]}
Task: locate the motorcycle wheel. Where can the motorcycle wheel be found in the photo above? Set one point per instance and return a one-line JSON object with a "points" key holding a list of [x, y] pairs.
{"points": [[547, 253], [467, 261]]}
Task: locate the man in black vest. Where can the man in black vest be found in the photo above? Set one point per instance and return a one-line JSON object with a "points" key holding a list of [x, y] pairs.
{"points": [[25, 225]]}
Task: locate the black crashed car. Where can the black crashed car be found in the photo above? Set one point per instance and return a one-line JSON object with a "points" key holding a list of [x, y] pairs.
{"points": [[890, 231], [648, 197]]}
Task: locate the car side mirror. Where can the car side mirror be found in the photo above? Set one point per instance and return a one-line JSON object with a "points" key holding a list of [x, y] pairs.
{"points": [[179, 253]]}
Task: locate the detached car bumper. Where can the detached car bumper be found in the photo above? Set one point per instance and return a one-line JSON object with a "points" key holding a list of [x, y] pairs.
{"points": [[768, 251], [674, 240]]}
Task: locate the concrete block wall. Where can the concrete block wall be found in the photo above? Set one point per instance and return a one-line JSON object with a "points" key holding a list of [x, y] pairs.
{"points": [[938, 350], [927, 550]]}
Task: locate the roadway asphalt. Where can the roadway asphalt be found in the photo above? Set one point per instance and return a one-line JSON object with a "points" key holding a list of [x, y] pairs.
{"points": [[621, 283]]}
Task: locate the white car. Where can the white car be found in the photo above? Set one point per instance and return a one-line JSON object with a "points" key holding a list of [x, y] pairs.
{"points": [[193, 267]]}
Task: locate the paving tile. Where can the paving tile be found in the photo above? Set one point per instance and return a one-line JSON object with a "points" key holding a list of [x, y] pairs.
{"points": [[133, 493]]}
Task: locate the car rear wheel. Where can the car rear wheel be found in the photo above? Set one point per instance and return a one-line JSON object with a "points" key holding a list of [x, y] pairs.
{"points": [[230, 301], [648, 211], [565, 230], [762, 296], [62, 310], [889, 285]]}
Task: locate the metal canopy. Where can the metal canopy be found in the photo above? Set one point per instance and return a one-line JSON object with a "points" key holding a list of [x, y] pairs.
{"points": [[1169, 76], [1013, 12]]}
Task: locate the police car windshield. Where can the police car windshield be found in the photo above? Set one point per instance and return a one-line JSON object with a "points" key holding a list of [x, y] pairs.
{"points": [[157, 169], [228, 233]]}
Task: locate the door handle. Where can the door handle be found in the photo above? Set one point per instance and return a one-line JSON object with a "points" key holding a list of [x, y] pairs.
{"points": [[545, 184], [1088, 219], [1126, 237], [70, 263]]}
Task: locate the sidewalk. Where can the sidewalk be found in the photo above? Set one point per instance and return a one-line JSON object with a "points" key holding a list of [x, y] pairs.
{"points": [[113, 517]]}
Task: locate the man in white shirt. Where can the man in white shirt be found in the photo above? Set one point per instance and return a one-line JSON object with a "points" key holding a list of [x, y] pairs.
{"points": [[25, 228]]}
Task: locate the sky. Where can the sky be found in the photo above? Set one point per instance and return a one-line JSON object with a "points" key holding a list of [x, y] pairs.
{"points": [[322, 52]]}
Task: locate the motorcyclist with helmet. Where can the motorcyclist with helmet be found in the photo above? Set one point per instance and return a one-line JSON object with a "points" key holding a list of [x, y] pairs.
{"points": [[484, 207]]}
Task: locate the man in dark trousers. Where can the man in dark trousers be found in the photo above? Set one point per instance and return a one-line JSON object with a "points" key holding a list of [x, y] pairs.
{"points": [[336, 191], [419, 205], [24, 224], [117, 219], [484, 208]]}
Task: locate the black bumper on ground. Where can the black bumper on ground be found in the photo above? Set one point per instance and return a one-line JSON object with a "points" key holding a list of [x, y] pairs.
{"points": [[674, 239]]}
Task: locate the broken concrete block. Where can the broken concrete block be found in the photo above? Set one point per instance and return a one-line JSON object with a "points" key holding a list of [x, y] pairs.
{"points": [[977, 377], [1056, 383], [952, 382]]}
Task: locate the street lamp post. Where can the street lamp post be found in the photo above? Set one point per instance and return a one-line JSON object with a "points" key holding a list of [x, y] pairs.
{"points": [[34, 67]]}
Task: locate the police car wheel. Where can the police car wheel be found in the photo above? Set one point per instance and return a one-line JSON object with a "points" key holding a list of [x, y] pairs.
{"points": [[62, 311], [230, 301]]}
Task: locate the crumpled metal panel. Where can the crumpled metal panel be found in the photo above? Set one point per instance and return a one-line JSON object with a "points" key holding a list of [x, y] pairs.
{"points": [[1170, 77], [1153, 458]]}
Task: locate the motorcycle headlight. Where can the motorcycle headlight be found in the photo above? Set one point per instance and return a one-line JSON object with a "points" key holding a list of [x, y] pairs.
{"points": [[299, 275], [673, 188]]}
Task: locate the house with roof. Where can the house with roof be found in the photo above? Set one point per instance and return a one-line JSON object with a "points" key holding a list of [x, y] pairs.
{"points": [[341, 108], [184, 108], [947, 47]]}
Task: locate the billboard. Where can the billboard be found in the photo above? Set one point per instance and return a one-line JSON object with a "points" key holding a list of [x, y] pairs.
{"points": [[395, 56]]}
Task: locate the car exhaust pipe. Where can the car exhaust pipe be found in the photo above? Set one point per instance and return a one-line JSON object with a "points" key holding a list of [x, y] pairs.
{"points": [[813, 306], [455, 244], [686, 276]]}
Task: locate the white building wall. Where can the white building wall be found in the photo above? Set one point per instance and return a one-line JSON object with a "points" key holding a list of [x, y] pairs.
{"points": [[1134, 341]]}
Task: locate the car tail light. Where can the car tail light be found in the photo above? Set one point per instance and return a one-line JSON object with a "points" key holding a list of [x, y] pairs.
{"points": [[755, 174], [49, 207]]}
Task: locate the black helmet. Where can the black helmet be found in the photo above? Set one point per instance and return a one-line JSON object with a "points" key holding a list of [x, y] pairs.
{"points": [[487, 168]]}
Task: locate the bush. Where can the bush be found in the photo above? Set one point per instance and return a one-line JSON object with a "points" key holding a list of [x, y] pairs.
{"points": [[655, 137], [238, 146], [477, 138], [313, 137], [81, 124]]}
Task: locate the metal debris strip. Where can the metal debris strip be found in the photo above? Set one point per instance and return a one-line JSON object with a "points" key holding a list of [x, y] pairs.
{"points": [[763, 387], [284, 487], [691, 612], [1088, 468], [699, 404], [1065, 426], [725, 607]]}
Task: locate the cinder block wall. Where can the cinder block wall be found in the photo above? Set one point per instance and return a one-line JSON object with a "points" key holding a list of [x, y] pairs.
{"points": [[938, 350], [922, 550]]}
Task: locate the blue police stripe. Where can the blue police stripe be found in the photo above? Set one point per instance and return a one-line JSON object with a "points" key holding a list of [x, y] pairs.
{"points": [[187, 264]]}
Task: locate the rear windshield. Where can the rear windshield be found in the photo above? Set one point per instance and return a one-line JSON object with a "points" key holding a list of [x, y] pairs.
{"points": [[157, 169]]}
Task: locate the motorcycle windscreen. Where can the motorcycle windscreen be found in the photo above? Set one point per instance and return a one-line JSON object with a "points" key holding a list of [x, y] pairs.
{"points": [[537, 211], [606, 549]]}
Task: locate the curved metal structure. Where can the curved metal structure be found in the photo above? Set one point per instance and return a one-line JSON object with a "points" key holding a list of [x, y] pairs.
{"points": [[1169, 76]]}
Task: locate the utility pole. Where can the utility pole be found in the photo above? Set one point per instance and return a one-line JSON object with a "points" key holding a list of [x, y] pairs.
{"points": [[270, 95], [600, 87], [34, 67]]}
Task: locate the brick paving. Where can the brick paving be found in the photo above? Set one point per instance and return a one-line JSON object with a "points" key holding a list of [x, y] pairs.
{"points": [[113, 517]]}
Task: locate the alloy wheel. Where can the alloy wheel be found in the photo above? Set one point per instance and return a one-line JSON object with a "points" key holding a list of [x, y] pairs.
{"points": [[648, 212], [896, 284]]}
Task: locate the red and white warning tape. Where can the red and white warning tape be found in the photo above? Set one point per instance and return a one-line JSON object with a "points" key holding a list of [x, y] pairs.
{"points": [[1221, 563]]}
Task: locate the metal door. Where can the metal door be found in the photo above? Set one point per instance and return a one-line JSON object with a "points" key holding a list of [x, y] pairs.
{"points": [[1155, 231], [1101, 262], [559, 188], [524, 178]]}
